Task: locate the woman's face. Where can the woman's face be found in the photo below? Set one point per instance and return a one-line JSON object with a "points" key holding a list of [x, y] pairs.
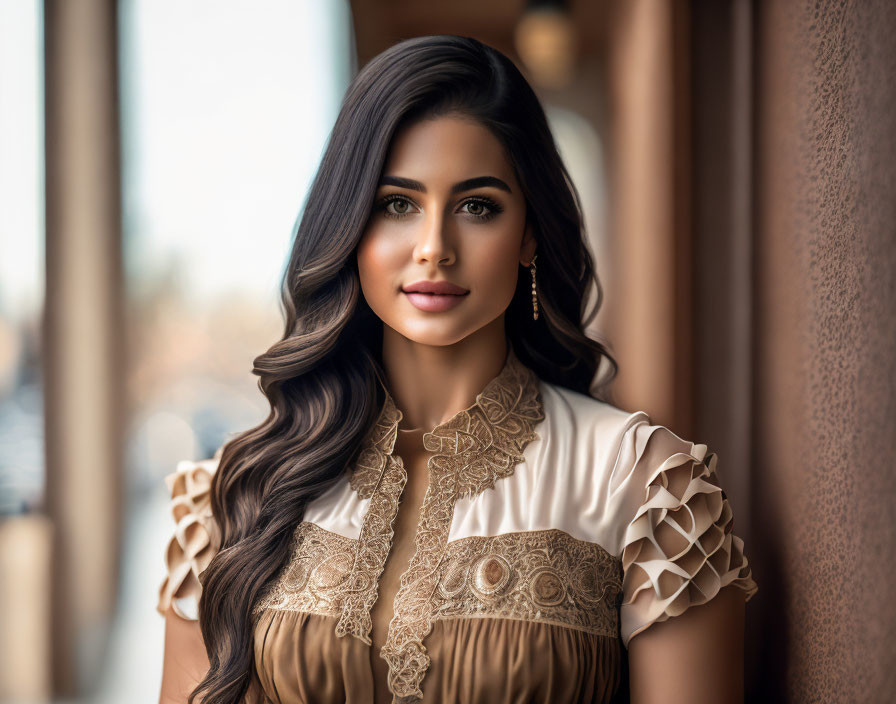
{"points": [[448, 209]]}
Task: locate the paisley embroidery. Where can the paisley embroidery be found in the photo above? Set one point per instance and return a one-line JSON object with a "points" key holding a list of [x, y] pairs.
{"points": [[544, 575], [315, 576]]}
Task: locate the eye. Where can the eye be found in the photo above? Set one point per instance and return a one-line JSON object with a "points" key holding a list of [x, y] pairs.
{"points": [[394, 206], [482, 208]]}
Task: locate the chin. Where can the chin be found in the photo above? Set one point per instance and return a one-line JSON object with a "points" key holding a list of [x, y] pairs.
{"points": [[434, 334], [435, 340]]}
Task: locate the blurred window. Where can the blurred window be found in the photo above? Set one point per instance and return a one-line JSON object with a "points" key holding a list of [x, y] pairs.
{"points": [[21, 256], [226, 107]]}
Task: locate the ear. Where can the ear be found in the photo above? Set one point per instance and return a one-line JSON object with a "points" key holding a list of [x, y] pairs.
{"points": [[527, 248]]}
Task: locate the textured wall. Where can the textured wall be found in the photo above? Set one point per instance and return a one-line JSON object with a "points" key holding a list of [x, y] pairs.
{"points": [[825, 349]]}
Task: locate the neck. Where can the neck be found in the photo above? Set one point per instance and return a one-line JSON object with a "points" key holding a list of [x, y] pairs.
{"points": [[431, 383]]}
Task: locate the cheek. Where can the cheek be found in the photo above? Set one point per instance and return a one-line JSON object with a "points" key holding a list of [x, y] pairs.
{"points": [[496, 265], [378, 262]]}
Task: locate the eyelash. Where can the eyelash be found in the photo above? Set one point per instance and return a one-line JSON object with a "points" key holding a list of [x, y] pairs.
{"points": [[493, 206]]}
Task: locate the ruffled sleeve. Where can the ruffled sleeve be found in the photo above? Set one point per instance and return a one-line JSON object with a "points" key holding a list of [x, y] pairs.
{"points": [[196, 536], [678, 549]]}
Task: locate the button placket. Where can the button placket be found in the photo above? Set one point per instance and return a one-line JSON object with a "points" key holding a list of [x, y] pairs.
{"points": [[472, 450], [413, 605]]}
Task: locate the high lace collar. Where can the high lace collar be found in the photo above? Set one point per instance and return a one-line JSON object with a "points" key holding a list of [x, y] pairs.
{"points": [[482, 442]]}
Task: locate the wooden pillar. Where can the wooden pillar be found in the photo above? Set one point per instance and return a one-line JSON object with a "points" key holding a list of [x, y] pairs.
{"points": [[723, 170], [83, 331], [650, 301]]}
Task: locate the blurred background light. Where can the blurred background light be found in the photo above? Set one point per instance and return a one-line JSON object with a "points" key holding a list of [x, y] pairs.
{"points": [[546, 43]]}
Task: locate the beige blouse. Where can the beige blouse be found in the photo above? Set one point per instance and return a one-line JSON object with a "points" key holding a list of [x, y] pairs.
{"points": [[555, 527]]}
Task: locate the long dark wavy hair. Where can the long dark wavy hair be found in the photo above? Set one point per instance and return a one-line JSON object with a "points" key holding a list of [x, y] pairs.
{"points": [[324, 377]]}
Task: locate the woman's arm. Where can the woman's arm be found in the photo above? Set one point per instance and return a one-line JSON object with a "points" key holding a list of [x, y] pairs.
{"points": [[185, 662], [696, 657]]}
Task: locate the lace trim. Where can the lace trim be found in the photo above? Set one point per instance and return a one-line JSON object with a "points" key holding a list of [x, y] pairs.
{"points": [[315, 577], [374, 544], [489, 436], [376, 468], [484, 443], [545, 576], [377, 448]]}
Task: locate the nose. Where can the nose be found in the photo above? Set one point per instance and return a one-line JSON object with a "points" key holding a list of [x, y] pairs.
{"points": [[433, 243]]}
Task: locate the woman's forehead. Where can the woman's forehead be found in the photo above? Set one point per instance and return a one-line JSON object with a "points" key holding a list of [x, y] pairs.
{"points": [[446, 150]]}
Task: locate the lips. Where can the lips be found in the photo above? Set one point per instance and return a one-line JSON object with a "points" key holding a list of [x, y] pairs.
{"points": [[443, 288], [434, 296]]}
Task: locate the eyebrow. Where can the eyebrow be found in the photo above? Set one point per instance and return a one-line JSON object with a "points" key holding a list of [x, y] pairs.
{"points": [[468, 185]]}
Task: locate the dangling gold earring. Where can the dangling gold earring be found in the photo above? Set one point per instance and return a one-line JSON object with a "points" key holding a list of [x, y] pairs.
{"points": [[534, 297]]}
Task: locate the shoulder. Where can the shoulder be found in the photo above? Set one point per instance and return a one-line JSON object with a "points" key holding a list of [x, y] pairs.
{"points": [[623, 440], [577, 417], [584, 440]]}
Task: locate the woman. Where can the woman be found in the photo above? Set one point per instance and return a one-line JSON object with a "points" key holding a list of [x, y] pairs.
{"points": [[436, 508]]}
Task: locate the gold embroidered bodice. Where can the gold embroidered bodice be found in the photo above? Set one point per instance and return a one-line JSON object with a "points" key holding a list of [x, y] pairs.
{"points": [[553, 529], [546, 576]]}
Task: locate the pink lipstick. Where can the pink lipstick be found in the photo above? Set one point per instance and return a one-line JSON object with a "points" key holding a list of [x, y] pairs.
{"points": [[434, 296]]}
